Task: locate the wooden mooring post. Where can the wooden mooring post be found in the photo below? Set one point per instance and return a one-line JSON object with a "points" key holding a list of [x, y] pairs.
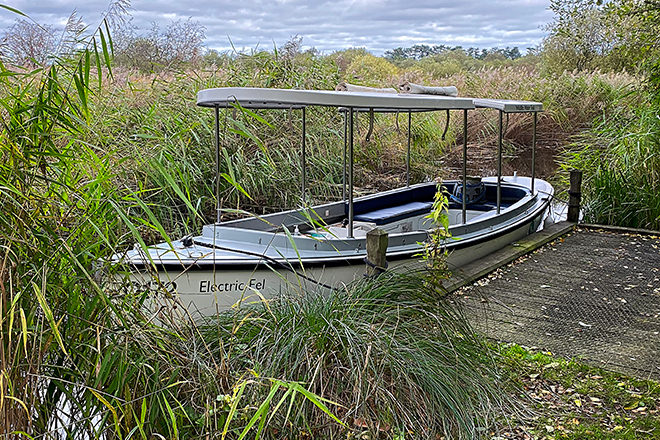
{"points": [[377, 241], [574, 196]]}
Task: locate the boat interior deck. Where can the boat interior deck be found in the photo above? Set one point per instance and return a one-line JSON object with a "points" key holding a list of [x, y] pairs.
{"points": [[397, 211]]}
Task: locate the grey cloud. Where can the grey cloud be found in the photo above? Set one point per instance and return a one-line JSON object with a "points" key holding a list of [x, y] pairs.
{"points": [[377, 25]]}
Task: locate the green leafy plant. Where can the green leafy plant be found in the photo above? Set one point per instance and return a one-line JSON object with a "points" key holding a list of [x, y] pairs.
{"points": [[435, 253]]}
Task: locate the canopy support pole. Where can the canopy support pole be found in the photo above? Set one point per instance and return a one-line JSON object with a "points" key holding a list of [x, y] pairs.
{"points": [[302, 159], [499, 164], [464, 206], [217, 164], [534, 151], [350, 175], [408, 150], [343, 176]]}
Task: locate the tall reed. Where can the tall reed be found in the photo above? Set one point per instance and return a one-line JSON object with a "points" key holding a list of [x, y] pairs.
{"points": [[620, 157], [78, 358]]}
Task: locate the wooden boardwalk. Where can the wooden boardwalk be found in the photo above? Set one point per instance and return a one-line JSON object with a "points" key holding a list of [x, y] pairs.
{"points": [[591, 294]]}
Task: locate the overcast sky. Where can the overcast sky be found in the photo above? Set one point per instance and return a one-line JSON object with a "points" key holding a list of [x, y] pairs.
{"points": [[377, 25]]}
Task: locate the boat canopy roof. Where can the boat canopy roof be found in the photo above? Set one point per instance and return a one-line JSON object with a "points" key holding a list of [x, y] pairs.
{"points": [[509, 106], [255, 98]]}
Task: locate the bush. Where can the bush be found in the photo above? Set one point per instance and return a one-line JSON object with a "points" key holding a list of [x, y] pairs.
{"points": [[372, 71]]}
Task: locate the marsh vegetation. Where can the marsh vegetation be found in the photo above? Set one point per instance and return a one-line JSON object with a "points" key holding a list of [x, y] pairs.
{"points": [[99, 153]]}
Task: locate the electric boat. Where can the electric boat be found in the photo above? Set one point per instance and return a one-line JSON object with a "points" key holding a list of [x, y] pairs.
{"points": [[324, 246]]}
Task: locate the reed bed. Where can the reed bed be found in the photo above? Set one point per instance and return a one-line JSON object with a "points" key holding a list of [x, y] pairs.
{"points": [[96, 159], [620, 158], [166, 143]]}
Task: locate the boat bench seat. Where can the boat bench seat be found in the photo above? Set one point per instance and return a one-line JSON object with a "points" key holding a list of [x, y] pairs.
{"points": [[395, 213]]}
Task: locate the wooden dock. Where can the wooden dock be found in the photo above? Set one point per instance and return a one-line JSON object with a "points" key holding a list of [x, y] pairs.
{"points": [[584, 293]]}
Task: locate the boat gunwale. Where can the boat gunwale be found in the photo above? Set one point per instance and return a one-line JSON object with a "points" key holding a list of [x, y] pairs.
{"points": [[339, 260], [518, 214]]}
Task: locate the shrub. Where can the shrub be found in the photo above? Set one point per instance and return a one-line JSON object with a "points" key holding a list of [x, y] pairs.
{"points": [[372, 71]]}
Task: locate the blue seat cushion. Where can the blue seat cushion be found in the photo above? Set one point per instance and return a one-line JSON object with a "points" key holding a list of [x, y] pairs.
{"points": [[395, 213]]}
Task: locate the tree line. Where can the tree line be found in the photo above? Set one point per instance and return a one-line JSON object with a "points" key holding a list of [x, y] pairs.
{"points": [[419, 51], [584, 35]]}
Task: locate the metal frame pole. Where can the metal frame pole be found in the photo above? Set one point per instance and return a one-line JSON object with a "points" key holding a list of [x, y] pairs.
{"points": [[534, 151], [350, 176], [464, 206], [499, 164], [408, 151], [343, 177], [217, 164], [302, 159]]}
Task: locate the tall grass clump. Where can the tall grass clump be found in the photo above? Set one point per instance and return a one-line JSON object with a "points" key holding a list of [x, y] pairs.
{"points": [[620, 157], [78, 357], [396, 353], [72, 359]]}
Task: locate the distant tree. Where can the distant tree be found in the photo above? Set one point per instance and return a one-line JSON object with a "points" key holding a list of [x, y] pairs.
{"points": [[396, 54], [477, 53], [582, 36], [27, 43], [639, 44], [512, 53], [179, 43], [416, 52], [420, 51]]}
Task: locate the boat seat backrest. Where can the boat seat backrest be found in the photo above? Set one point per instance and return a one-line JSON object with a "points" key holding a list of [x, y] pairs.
{"points": [[395, 213], [388, 208], [509, 195], [419, 194]]}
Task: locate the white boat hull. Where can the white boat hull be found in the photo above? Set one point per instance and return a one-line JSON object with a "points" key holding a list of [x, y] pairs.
{"points": [[206, 292]]}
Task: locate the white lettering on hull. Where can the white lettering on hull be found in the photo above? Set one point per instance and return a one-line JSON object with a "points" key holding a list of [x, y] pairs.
{"points": [[208, 286]]}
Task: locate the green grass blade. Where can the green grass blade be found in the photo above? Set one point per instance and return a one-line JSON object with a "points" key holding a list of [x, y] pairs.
{"points": [[236, 398], [106, 54], [14, 10], [318, 402], [48, 313], [261, 413]]}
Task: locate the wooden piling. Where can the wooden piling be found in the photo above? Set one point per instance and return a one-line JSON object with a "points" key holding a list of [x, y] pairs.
{"points": [[377, 241], [574, 196]]}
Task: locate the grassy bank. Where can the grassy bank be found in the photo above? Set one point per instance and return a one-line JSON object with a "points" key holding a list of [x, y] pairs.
{"points": [[571, 400]]}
